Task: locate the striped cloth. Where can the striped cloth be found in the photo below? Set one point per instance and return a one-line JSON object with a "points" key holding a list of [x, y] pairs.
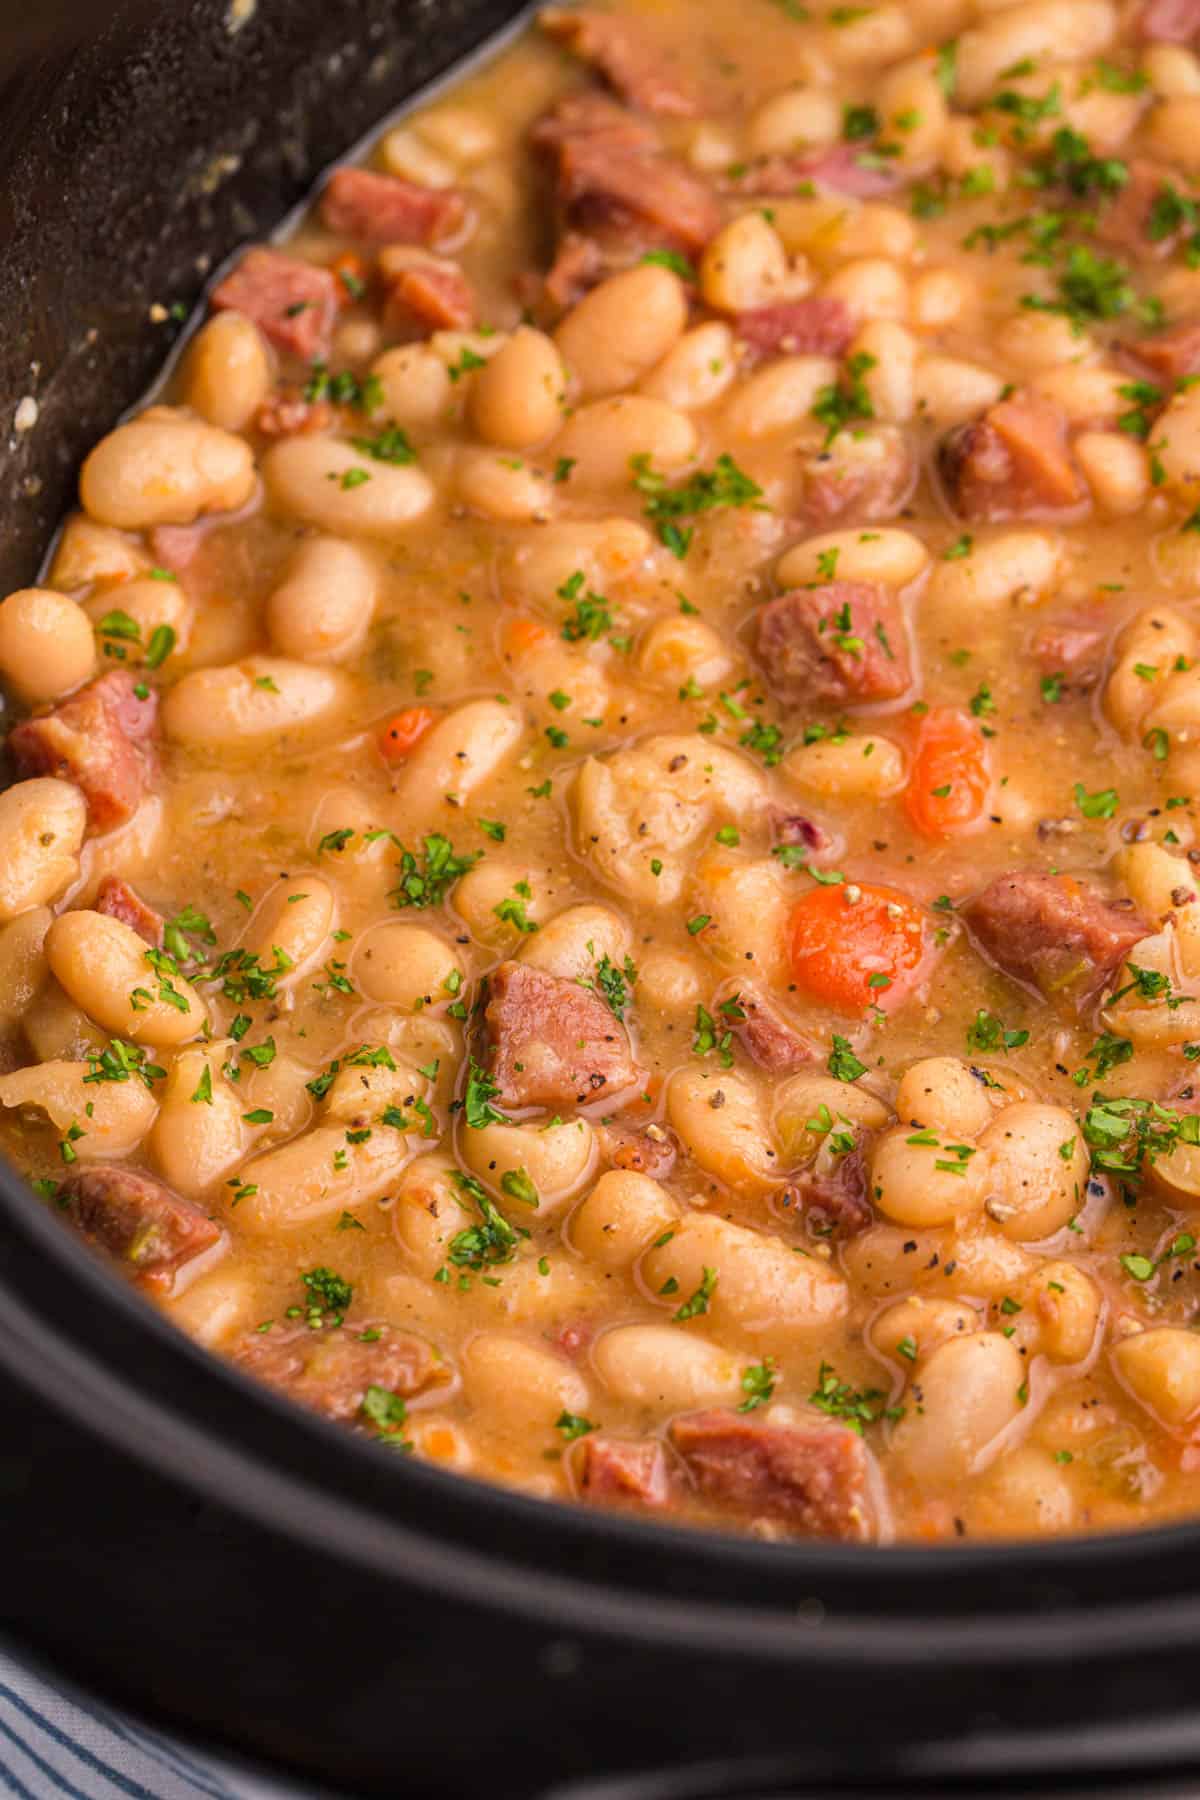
{"points": [[56, 1744]]}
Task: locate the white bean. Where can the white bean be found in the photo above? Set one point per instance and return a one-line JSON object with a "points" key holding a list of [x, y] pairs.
{"points": [[46, 644], [762, 1286], [292, 925], [719, 1117], [696, 373], [100, 1119], [199, 1134], [165, 468], [572, 943], [665, 1368], [517, 400], [622, 328], [42, 823], [1161, 1369], [461, 753], [1037, 1178], [886, 555], [970, 1390], [519, 1384], [558, 1158], [108, 971], [246, 705], [322, 609], [603, 438], [407, 966], [334, 487], [623, 1213], [228, 371]]}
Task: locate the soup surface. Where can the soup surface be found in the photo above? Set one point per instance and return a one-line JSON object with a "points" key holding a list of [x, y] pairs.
{"points": [[601, 882]]}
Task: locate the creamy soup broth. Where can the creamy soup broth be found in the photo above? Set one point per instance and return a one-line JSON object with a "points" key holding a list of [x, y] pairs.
{"points": [[601, 875]]}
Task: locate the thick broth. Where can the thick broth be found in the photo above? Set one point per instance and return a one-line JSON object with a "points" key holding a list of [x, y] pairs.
{"points": [[652, 766]]}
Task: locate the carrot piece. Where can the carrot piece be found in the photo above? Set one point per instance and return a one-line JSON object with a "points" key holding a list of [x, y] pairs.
{"points": [[522, 635], [401, 735], [857, 944], [951, 776], [352, 272]]}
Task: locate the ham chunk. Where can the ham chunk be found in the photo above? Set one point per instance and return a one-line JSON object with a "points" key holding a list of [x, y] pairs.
{"points": [[842, 169], [286, 413], [119, 901], [1129, 220], [383, 209], [293, 303], [1170, 354], [579, 263], [862, 477], [843, 644], [765, 1035], [424, 295], [653, 1151], [1169, 21], [152, 1231], [100, 740], [835, 1200], [1054, 933], [330, 1370], [1013, 463], [809, 1479], [618, 193], [555, 1043], [176, 547], [623, 1471], [1075, 651], [620, 50], [811, 327]]}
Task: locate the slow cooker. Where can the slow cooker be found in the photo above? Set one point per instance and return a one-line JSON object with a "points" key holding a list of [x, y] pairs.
{"points": [[184, 1543]]}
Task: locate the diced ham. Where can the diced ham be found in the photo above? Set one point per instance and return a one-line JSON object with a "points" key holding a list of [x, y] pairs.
{"points": [[286, 413], [100, 740], [424, 295], [119, 901], [811, 1479], [1169, 21], [331, 1369], [844, 643], [836, 1199], [620, 50], [623, 1471], [384, 209], [862, 477], [1170, 354], [1128, 221], [293, 303], [764, 1034], [797, 829], [575, 1337], [1076, 651], [555, 1043], [842, 169], [1054, 933], [809, 327], [176, 547], [152, 1231], [578, 265], [1013, 463], [652, 1151], [619, 194]]}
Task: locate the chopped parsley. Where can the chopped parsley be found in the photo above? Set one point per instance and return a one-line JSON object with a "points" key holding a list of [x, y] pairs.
{"points": [[697, 1303], [441, 866], [725, 485]]}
